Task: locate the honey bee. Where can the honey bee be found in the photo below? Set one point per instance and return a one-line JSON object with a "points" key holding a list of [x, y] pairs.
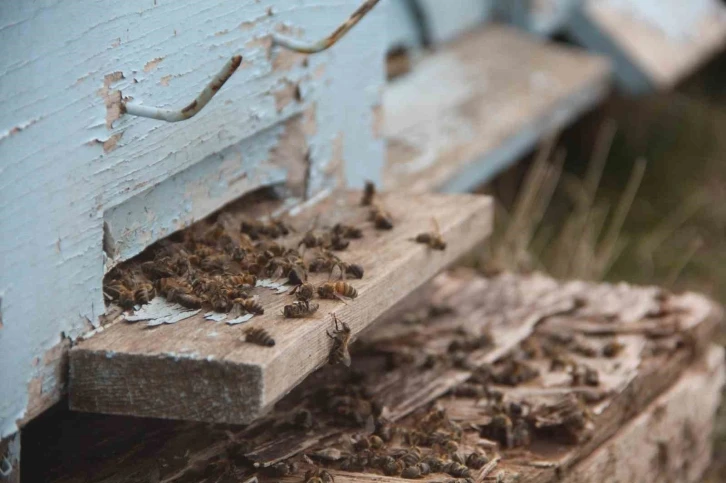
{"points": [[216, 263], [341, 338], [521, 435], [123, 296], [502, 428], [476, 460], [393, 467], [381, 219], [311, 239], [204, 251], [282, 468], [304, 291], [144, 293], [345, 269], [337, 290], [179, 291], [297, 275], [259, 336], [456, 470], [347, 231], [582, 374], [411, 472], [369, 193], [338, 242], [612, 348], [252, 228], [250, 305], [433, 239], [316, 475], [244, 279], [300, 309]]}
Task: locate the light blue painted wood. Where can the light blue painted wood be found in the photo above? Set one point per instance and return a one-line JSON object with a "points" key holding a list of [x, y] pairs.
{"points": [[447, 20], [58, 184], [526, 139], [628, 76], [540, 17]]}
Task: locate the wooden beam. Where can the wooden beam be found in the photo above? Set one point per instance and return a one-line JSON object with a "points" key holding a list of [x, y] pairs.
{"points": [[471, 108], [653, 44], [201, 370]]}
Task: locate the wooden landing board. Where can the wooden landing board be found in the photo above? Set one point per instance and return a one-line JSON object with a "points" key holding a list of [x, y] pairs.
{"points": [[202, 370], [653, 44], [389, 366], [474, 106]]}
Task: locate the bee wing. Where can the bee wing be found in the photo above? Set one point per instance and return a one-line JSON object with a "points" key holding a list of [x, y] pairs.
{"points": [[341, 298], [346, 359], [437, 230]]}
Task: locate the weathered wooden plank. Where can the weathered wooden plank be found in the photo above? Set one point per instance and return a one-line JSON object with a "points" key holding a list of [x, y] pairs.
{"points": [[469, 109], [630, 380], [671, 439], [129, 369], [653, 44]]}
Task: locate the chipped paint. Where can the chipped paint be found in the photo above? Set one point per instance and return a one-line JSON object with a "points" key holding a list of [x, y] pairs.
{"points": [[159, 312], [164, 81], [164, 175], [153, 64], [285, 94]]}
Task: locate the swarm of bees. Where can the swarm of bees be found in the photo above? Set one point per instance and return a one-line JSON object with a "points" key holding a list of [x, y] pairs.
{"points": [[217, 265]]}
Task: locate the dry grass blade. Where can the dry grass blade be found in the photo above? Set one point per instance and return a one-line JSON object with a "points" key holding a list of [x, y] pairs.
{"points": [[681, 264], [609, 246]]}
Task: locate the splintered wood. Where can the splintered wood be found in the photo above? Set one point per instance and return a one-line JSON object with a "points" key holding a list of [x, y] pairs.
{"points": [[190, 362], [502, 379]]}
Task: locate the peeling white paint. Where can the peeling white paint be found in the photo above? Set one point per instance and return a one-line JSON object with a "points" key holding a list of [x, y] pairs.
{"points": [[241, 319], [159, 311]]}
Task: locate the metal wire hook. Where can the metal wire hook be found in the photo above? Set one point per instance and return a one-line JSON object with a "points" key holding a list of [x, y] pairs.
{"points": [[330, 40], [193, 108]]}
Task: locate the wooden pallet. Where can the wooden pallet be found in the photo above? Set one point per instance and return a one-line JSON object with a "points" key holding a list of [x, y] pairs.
{"points": [[474, 106], [202, 370], [659, 394]]}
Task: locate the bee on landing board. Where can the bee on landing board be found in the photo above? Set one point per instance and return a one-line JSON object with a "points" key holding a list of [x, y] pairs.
{"points": [[347, 231], [304, 291], [259, 336], [433, 238], [369, 193], [300, 309], [381, 218], [341, 338], [337, 290]]}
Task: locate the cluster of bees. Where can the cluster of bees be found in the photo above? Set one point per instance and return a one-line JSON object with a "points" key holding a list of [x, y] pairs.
{"points": [[217, 266], [393, 450]]}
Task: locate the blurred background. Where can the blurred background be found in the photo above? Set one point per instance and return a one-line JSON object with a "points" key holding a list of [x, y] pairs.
{"points": [[634, 187]]}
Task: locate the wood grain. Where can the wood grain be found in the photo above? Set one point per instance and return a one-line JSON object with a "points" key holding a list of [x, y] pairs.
{"points": [[469, 109], [201, 370]]}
